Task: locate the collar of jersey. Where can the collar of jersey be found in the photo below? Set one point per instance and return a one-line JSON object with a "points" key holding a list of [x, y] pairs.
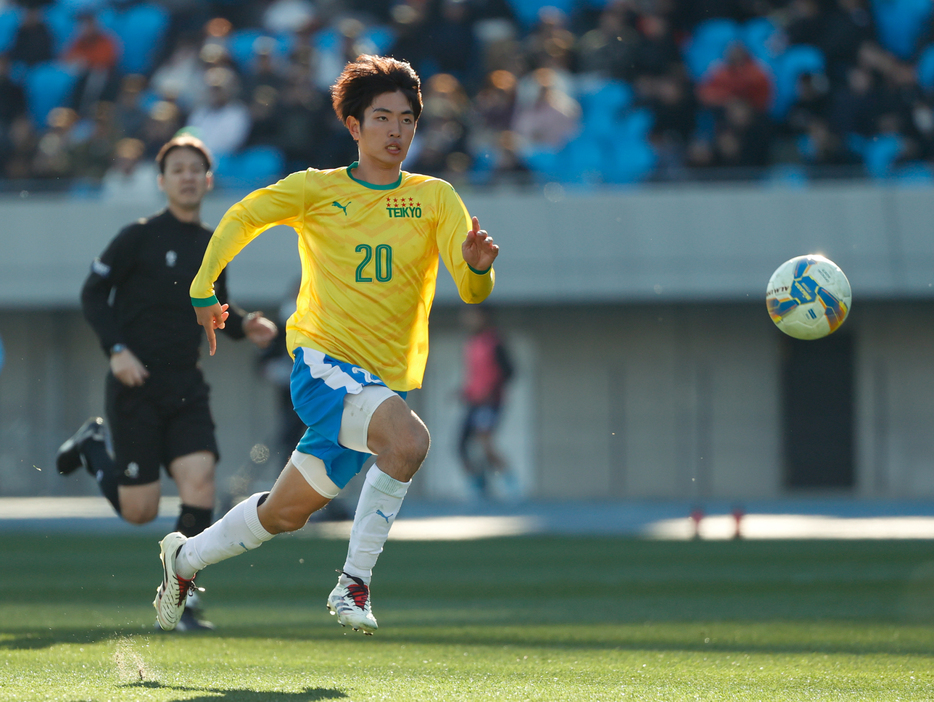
{"points": [[370, 185]]}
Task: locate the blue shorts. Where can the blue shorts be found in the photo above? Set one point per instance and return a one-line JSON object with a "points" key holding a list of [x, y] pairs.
{"points": [[319, 384]]}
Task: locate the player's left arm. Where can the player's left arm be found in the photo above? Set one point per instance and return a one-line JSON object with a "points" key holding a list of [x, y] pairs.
{"points": [[468, 252]]}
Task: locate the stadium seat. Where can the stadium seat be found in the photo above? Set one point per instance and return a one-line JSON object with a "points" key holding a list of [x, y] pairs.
{"points": [[900, 24], [526, 11], [708, 44], [140, 29], [62, 25], [602, 102], [795, 61], [925, 68], [48, 85], [878, 153], [254, 167], [10, 19], [760, 36], [243, 45]]}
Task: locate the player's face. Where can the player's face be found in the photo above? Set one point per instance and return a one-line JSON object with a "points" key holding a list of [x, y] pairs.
{"points": [[386, 132], [186, 179]]}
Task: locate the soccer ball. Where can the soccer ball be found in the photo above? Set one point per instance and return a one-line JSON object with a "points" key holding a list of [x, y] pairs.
{"points": [[808, 297]]}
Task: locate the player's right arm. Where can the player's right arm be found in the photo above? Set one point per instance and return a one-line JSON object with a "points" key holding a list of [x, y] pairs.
{"points": [[280, 203], [110, 270]]}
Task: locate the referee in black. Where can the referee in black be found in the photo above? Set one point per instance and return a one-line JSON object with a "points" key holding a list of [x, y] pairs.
{"points": [[136, 299]]}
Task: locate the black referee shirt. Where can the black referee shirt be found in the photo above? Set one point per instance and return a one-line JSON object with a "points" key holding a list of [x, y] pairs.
{"points": [[137, 292]]}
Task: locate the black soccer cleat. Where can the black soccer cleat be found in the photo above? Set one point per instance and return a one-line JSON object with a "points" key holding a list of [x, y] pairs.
{"points": [[70, 456]]}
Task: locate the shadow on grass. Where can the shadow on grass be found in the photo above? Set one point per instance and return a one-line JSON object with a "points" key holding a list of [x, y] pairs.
{"points": [[628, 637], [309, 694]]}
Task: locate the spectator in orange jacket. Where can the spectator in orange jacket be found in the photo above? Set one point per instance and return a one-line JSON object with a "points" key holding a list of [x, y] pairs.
{"points": [[738, 76]]}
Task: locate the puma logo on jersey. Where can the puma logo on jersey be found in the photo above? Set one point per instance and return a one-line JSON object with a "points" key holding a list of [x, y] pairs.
{"points": [[343, 207]]}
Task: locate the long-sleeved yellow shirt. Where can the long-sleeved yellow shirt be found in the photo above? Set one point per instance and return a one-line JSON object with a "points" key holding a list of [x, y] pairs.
{"points": [[369, 257]]}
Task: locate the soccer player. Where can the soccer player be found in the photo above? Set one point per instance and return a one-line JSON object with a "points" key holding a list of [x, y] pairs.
{"points": [[369, 236], [156, 398]]}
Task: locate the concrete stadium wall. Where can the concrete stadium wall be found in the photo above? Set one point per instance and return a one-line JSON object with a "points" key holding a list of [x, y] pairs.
{"points": [[647, 366]]}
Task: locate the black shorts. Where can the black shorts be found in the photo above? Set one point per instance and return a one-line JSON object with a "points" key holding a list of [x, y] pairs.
{"points": [[152, 425]]}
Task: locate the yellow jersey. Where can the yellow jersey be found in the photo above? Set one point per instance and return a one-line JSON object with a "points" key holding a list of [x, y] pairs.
{"points": [[369, 257]]}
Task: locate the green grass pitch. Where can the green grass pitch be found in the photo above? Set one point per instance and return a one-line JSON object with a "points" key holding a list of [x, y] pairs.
{"points": [[545, 618]]}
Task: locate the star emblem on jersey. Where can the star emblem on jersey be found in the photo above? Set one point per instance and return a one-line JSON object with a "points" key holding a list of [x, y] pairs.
{"points": [[403, 207]]}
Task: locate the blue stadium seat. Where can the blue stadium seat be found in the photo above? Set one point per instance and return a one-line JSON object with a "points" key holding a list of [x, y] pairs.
{"points": [[878, 153], [708, 44], [602, 102], [796, 60], [62, 25], [925, 68], [526, 11], [242, 46], [140, 29], [10, 19], [47, 85], [760, 36], [254, 167], [900, 24]]}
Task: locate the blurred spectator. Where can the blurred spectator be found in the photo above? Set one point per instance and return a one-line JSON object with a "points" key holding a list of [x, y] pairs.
{"points": [[132, 177], [738, 76], [264, 69], [92, 147], [674, 107], [856, 107], [551, 44], [609, 49], [742, 137], [181, 77], [53, 156], [93, 55], [848, 26], [442, 136], [822, 148], [454, 47], [128, 112], [18, 146], [487, 371], [492, 111], [552, 120], [264, 117], [656, 51], [12, 97], [224, 123], [289, 16], [33, 41], [163, 121], [806, 22]]}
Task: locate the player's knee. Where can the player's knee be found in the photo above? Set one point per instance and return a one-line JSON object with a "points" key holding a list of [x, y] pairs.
{"points": [[287, 519], [139, 513], [412, 446]]}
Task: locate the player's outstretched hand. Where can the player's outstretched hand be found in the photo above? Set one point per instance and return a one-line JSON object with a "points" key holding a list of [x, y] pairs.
{"points": [[259, 329], [212, 318], [479, 249]]}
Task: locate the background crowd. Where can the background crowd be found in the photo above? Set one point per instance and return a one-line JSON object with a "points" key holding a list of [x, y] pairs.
{"points": [[515, 91]]}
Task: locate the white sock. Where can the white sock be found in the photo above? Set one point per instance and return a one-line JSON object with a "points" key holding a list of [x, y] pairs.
{"points": [[236, 532], [379, 503]]}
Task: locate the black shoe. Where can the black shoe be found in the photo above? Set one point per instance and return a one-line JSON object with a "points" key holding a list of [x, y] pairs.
{"points": [[70, 456], [189, 622]]}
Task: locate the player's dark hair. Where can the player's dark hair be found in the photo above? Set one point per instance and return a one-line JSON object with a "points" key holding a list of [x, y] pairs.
{"points": [[363, 80], [183, 141]]}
